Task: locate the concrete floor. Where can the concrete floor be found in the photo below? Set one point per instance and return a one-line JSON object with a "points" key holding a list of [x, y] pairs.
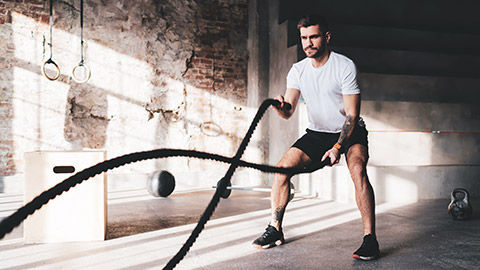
{"points": [[145, 232]]}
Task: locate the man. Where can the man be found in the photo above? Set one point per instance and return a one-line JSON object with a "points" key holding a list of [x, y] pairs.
{"points": [[327, 82]]}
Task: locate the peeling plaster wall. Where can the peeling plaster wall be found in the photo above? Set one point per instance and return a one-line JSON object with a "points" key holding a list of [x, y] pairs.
{"points": [[165, 74]]}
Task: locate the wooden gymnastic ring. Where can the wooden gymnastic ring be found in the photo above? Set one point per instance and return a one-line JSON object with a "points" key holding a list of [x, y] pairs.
{"points": [[50, 61], [89, 73]]}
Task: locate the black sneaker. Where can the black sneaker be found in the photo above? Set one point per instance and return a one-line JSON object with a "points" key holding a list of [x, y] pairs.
{"points": [[369, 249], [271, 237]]}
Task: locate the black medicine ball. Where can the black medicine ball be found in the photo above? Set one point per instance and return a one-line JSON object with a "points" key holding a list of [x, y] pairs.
{"points": [[161, 184]]}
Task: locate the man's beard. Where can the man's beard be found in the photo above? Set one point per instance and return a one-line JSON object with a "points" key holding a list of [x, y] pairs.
{"points": [[318, 52]]}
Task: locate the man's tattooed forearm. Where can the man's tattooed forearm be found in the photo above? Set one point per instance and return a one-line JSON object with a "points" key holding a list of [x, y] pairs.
{"points": [[346, 129]]}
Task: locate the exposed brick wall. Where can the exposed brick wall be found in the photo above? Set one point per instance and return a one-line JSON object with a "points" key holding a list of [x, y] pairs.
{"points": [[35, 9], [180, 63], [6, 158], [219, 61]]}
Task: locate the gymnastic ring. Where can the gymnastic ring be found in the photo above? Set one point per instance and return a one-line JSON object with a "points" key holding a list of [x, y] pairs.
{"points": [[50, 61], [89, 73], [211, 129]]}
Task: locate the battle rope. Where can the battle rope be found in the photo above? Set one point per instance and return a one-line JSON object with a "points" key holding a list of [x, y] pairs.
{"points": [[12, 221], [222, 185]]}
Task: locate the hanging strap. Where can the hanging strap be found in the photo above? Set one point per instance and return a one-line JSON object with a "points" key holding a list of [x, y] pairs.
{"points": [[81, 31], [88, 73], [49, 60], [51, 29]]}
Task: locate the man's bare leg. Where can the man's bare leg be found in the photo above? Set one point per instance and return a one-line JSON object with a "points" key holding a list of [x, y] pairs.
{"points": [[280, 194], [357, 162], [294, 157], [357, 158]]}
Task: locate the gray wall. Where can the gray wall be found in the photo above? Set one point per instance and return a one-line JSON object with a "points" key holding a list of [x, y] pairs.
{"points": [[419, 73]]}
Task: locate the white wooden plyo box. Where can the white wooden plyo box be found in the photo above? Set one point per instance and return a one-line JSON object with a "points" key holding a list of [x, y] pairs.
{"points": [[79, 214]]}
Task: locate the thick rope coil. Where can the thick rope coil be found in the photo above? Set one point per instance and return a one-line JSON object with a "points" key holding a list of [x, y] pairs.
{"points": [[14, 220]]}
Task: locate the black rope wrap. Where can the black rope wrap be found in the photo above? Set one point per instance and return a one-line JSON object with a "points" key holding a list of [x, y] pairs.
{"points": [[14, 220]]}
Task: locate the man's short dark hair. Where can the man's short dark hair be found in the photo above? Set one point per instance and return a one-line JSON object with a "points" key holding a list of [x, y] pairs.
{"points": [[314, 19]]}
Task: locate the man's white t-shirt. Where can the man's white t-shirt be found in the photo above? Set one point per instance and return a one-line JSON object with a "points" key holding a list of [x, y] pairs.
{"points": [[323, 89]]}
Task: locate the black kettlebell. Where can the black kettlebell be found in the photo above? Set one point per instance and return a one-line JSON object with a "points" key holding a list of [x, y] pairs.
{"points": [[460, 208], [161, 184]]}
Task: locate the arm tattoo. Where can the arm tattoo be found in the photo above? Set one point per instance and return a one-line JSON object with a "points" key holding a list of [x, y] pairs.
{"points": [[347, 129]]}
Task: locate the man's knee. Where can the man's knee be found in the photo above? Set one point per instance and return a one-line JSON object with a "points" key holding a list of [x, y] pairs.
{"points": [[357, 162], [358, 172], [292, 158], [283, 163]]}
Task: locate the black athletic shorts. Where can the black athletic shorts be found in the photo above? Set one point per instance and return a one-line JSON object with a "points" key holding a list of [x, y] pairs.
{"points": [[315, 143]]}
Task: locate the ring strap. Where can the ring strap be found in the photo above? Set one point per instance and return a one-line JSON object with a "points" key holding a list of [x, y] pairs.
{"points": [[82, 63], [50, 45]]}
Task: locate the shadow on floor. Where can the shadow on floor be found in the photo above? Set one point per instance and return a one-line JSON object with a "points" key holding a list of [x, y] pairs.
{"points": [[153, 214], [417, 236]]}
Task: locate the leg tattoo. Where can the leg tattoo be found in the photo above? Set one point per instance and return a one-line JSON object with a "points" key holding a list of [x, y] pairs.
{"points": [[278, 215]]}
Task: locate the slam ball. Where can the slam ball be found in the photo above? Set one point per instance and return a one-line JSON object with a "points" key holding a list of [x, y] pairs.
{"points": [[161, 184]]}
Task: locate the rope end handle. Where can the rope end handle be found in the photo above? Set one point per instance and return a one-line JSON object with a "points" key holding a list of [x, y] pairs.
{"points": [[286, 105], [316, 166], [325, 162]]}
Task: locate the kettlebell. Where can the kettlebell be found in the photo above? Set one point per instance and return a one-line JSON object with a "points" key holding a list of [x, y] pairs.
{"points": [[161, 184], [460, 208]]}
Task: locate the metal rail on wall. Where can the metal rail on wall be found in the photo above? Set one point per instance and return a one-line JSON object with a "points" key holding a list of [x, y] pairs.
{"points": [[424, 131]]}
